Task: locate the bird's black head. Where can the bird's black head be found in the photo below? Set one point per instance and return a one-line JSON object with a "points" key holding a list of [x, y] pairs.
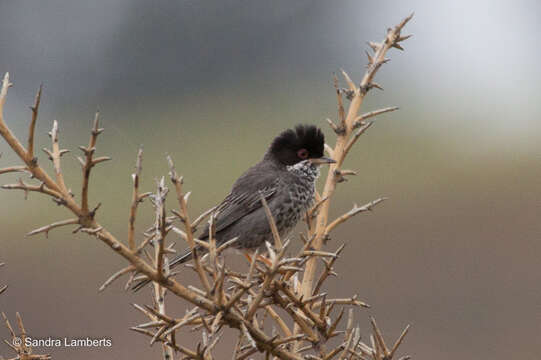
{"points": [[294, 145]]}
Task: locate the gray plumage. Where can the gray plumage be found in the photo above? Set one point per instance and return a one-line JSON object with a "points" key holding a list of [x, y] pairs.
{"points": [[285, 177]]}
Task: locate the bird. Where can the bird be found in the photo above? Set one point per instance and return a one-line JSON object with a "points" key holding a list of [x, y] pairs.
{"points": [[285, 177]]}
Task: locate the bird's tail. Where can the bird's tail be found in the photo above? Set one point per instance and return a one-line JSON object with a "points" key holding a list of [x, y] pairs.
{"points": [[179, 259]]}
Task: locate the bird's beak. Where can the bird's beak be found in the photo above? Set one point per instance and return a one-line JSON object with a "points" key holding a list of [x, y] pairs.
{"points": [[322, 160]]}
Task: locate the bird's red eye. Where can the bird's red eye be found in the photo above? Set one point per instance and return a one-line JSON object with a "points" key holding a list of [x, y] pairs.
{"points": [[302, 153]]}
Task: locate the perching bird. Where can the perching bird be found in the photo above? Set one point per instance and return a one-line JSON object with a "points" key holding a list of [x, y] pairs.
{"points": [[285, 177]]}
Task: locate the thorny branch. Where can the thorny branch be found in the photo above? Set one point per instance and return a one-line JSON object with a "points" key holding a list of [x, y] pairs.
{"points": [[185, 218], [18, 342], [347, 136], [307, 318]]}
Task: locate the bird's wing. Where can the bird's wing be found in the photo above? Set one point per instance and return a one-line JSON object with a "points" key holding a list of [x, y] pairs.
{"points": [[243, 199]]}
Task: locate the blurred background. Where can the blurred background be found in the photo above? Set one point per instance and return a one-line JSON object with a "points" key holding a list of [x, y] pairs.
{"points": [[456, 249]]}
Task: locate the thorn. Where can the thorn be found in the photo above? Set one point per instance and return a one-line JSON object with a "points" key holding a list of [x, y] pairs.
{"points": [[370, 58], [25, 188], [373, 45], [6, 82], [332, 125], [339, 176], [337, 129], [93, 212], [97, 132], [402, 38], [376, 85], [49, 153], [100, 159], [405, 21], [348, 172], [329, 150], [396, 45], [348, 80], [360, 119]]}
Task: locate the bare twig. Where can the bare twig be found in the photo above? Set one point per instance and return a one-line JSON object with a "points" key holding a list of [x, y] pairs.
{"points": [[356, 210], [56, 154], [359, 120], [12, 169], [18, 341], [89, 161], [160, 225], [136, 199], [177, 181], [328, 271], [399, 341], [115, 276], [45, 229], [272, 224], [35, 109], [32, 188]]}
